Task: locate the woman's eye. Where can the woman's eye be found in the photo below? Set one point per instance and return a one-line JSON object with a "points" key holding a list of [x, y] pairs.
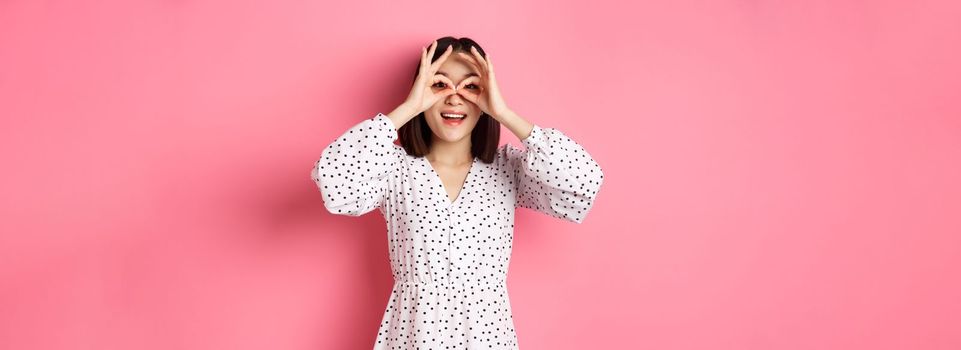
{"points": [[469, 86], [439, 85]]}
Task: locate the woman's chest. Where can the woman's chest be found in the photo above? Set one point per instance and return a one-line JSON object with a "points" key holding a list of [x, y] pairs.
{"points": [[420, 197]]}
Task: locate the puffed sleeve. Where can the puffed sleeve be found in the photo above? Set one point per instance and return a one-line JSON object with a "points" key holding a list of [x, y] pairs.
{"points": [[353, 171], [554, 175]]}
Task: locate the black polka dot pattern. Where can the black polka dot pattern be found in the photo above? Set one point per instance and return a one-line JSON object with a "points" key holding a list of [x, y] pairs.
{"points": [[449, 259]]}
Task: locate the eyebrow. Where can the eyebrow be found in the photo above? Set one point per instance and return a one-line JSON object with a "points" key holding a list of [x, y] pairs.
{"points": [[471, 74]]}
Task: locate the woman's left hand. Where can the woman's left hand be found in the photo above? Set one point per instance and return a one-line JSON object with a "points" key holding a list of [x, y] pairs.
{"points": [[487, 96]]}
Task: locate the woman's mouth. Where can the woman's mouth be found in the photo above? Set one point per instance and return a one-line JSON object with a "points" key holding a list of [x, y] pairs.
{"points": [[453, 119]]}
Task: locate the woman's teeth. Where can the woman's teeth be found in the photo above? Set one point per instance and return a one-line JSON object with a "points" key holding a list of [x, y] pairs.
{"points": [[453, 116]]}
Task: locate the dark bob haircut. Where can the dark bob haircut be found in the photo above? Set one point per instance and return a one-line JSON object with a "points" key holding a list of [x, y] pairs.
{"points": [[415, 135]]}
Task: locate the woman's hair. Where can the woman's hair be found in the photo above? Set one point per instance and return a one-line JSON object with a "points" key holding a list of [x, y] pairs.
{"points": [[415, 135]]}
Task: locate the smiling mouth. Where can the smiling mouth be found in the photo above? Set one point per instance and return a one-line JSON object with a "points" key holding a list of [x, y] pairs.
{"points": [[453, 116]]}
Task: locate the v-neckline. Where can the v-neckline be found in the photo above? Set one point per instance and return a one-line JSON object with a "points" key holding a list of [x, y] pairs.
{"points": [[443, 189]]}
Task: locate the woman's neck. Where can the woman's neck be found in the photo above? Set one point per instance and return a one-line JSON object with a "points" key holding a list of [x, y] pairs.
{"points": [[450, 153]]}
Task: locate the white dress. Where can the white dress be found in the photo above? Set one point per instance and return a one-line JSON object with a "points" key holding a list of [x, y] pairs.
{"points": [[449, 259]]}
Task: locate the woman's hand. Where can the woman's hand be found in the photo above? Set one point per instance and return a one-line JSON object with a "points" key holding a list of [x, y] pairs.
{"points": [[422, 95], [487, 96]]}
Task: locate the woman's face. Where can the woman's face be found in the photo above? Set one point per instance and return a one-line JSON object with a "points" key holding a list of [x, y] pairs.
{"points": [[456, 69]]}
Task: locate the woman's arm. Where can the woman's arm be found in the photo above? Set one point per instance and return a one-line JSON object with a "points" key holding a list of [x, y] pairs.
{"points": [[554, 174], [353, 171]]}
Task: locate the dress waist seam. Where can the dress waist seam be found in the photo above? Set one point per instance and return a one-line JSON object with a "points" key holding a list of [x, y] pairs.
{"points": [[450, 283]]}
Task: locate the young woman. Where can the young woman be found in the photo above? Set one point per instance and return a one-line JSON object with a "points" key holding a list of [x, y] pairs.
{"points": [[448, 193]]}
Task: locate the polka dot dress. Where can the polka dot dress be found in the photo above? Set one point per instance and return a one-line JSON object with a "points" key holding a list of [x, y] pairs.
{"points": [[448, 258]]}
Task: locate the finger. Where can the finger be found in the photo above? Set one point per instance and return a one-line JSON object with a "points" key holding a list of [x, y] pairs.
{"points": [[443, 94], [437, 96], [423, 56], [483, 69], [471, 61], [445, 80], [468, 95], [424, 63], [430, 53], [440, 60], [462, 87], [471, 80], [477, 55]]}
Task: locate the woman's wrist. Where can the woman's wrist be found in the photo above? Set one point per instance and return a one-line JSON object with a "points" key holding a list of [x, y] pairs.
{"points": [[516, 124], [401, 114]]}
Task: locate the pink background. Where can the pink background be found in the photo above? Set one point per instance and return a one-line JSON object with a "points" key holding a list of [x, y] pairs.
{"points": [[778, 175]]}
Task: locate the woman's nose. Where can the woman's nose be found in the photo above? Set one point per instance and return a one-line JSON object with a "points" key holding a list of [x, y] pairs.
{"points": [[454, 98]]}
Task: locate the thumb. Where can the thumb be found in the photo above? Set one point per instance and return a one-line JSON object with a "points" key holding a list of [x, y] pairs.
{"points": [[468, 95]]}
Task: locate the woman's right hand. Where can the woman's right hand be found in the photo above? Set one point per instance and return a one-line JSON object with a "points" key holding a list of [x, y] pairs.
{"points": [[423, 94]]}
